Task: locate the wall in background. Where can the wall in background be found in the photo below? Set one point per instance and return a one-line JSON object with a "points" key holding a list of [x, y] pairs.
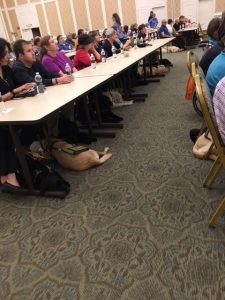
{"points": [[63, 16], [219, 6]]}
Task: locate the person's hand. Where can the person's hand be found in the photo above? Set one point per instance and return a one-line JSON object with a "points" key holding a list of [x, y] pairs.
{"points": [[65, 79], [127, 45], [25, 87]]}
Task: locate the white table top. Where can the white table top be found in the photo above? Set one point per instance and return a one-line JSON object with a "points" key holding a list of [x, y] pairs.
{"points": [[35, 108], [70, 54], [32, 109], [116, 65]]}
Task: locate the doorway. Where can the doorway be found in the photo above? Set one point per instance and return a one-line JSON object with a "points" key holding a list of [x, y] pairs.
{"points": [[36, 32]]}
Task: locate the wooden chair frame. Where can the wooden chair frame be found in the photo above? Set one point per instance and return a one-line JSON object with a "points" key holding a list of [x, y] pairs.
{"points": [[220, 161]]}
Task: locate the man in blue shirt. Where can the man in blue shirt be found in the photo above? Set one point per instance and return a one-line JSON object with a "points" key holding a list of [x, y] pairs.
{"points": [[163, 30]]}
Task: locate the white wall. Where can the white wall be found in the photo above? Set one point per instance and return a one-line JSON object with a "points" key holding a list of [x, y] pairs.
{"points": [[3, 31], [205, 12], [143, 8]]}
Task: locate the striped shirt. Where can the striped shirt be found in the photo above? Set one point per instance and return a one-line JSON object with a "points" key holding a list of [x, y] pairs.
{"points": [[219, 107]]}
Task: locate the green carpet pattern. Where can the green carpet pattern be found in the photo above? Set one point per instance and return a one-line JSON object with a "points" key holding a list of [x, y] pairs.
{"points": [[132, 229]]}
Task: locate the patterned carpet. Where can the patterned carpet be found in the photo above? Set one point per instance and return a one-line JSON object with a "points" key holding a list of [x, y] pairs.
{"points": [[132, 229]]}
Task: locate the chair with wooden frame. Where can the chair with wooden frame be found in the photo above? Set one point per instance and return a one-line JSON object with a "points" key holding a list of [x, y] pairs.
{"points": [[211, 124], [190, 58]]}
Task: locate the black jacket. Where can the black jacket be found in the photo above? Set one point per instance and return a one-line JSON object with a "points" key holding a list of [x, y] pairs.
{"points": [[23, 74]]}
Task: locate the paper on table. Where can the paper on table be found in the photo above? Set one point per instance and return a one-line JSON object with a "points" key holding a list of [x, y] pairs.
{"points": [[7, 110]]}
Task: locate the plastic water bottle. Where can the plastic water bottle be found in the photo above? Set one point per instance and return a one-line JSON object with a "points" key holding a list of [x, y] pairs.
{"points": [[103, 55], [141, 41], [121, 48], [68, 69], [93, 63], [2, 108], [114, 52], [39, 84], [155, 36], [135, 41]]}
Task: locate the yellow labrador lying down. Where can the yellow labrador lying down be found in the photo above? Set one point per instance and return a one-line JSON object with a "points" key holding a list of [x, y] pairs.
{"points": [[78, 162]]}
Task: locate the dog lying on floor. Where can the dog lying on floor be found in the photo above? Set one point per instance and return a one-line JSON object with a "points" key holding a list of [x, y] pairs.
{"points": [[78, 162]]}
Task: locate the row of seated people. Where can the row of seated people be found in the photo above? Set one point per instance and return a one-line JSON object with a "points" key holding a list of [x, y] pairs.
{"points": [[52, 69], [212, 64], [71, 41]]}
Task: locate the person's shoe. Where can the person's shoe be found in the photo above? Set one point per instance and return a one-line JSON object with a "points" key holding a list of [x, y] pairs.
{"points": [[10, 188], [194, 134]]}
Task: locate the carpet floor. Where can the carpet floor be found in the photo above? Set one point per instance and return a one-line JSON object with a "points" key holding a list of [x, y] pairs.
{"points": [[132, 229]]}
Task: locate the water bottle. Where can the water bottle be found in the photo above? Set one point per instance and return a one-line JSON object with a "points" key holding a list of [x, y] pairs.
{"points": [[121, 48], [141, 41], [2, 108], [68, 69], [93, 64], [114, 52], [39, 84], [103, 55], [135, 41], [155, 36]]}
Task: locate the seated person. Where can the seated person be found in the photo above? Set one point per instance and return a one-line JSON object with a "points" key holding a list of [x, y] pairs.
{"points": [[84, 50], [142, 31], [219, 107], [24, 70], [182, 22], [53, 60], [62, 45], [126, 32], [169, 26], [26, 66], [153, 22], [37, 48], [211, 54], [8, 157], [212, 31], [69, 40], [134, 28], [95, 35], [110, 41], [79, 32], [163, 30], [176, 25], [164, 33], [216, 70]]}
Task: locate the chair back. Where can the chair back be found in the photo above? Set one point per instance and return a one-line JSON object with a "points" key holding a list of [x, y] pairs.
{"points": [[208, 113], [191, 57]]}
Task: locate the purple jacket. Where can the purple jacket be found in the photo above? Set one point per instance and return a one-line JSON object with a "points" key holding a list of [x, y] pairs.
{"points": [[57, 63]]}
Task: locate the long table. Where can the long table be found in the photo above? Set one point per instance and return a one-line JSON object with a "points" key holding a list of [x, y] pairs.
{"points": [[34, 109], [114, 66]]}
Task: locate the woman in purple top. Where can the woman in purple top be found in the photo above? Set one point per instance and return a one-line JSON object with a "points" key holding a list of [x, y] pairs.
{"points": [[53, 60]]}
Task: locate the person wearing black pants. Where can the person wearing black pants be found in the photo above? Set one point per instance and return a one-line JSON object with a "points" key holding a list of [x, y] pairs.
{"points": [[8, 158]]}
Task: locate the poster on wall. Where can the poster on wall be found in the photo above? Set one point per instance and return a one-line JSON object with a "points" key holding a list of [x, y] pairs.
{"points": [[27, 16]]}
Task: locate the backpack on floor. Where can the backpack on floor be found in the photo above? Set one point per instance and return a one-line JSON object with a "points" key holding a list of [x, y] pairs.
{"points": [[43, 174]]}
